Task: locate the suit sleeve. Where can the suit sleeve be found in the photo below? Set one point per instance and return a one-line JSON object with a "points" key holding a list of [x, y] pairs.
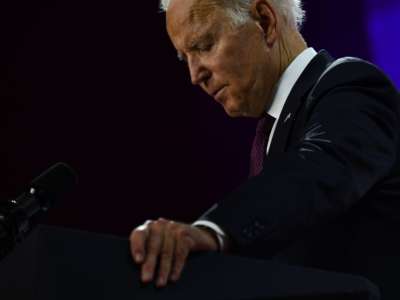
{"points": [[350, 143]]}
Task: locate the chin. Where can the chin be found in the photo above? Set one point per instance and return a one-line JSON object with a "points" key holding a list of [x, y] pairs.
{"points": [[232, 109], [234, 114]]}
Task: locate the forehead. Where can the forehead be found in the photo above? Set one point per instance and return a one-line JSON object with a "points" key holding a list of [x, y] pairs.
{"points": [[187, 19]]}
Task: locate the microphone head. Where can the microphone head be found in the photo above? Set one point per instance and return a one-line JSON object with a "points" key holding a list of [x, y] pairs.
{"points": [[54, 182]]}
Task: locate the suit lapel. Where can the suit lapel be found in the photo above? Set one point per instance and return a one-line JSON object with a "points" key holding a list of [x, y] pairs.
{"points": [[289, 112]]}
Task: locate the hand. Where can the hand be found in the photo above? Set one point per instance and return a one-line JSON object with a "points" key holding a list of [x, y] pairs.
{"points": [[170, 242]]}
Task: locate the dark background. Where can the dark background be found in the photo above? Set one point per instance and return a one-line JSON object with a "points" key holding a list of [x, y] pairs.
{"points": [[97, 84]]}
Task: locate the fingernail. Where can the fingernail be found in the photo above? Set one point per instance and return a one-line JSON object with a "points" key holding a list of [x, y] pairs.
{"points": [[146, 276], [138, 257], [161, 282], [174, 277]]}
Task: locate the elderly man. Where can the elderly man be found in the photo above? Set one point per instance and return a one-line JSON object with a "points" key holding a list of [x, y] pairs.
{"points": [[324, 186]]}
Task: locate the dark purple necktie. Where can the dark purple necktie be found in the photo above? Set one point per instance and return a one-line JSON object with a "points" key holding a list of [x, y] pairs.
{"points": [[264, 127]]}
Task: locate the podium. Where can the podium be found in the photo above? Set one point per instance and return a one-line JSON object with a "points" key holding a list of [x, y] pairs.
{"points": [[59, 264]]}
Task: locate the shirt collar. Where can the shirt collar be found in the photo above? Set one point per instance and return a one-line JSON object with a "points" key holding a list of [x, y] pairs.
{"points": [[288, 80]]}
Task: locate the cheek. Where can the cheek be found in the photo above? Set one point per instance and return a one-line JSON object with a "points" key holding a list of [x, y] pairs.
{"points": [[239, 67], [233, 61], [235, 72]]}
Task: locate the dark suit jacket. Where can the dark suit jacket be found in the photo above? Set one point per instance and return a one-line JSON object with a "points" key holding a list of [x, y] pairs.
{"points": [[329, 192]]}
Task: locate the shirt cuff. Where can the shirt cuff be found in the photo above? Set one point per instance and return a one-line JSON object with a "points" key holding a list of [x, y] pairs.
{"points": [[220, 234]]}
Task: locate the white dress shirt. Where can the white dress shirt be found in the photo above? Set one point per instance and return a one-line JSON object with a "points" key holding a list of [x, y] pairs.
{"points": [[282, 90]]}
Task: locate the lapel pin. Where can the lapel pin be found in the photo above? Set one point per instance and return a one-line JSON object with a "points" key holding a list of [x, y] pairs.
{"points": [[287, 117]]}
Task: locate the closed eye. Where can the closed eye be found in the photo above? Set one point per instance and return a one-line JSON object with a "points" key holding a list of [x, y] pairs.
{"points": [[204, 47], [202, 44]]}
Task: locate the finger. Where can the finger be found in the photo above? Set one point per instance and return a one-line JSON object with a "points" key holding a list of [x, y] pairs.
{"points": [[154, 242], [137, 241], [182, 250], [167, 252]]}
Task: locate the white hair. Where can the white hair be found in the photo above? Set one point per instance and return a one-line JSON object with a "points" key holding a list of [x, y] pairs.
{"points": [[238, 10]]}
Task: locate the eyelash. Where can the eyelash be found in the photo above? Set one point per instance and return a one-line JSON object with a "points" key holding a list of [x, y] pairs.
{"points": [[206, 47], [203, 48]]}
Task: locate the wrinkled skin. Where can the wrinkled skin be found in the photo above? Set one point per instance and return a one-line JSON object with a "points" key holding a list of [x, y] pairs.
{"points": [[240, 60], [239, 67]]}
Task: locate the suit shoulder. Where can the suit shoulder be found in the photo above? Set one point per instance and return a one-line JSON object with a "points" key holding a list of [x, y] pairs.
{"points": [[352, 72], [354, 75]]}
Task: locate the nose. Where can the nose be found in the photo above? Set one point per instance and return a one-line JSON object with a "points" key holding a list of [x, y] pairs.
{"points": [[198, 72]]}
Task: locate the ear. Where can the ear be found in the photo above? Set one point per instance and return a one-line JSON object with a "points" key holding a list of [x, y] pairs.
{"points": [[265, 16]]}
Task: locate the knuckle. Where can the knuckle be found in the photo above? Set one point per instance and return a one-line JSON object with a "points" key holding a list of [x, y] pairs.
{"points": [[144, 226], [140, 230], [167, 249], [150, 261], [172, 226], [155, 227], [166, 261], [154, 243], [154, 247], [166, 258], [181, 253], [166, 253], [137, 231], [132, 235], [177, 269], [181, 232], [136, 240], [161, 222]]}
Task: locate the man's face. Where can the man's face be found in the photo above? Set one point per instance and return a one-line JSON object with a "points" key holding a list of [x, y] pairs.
{"points": [[233, 65]]}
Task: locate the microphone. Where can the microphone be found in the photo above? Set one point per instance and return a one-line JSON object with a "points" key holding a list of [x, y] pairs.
{"points": [[17, 217]]}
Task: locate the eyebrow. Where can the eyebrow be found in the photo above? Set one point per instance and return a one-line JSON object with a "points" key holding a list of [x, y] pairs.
{"points": [[194, 44], [207, 36]]}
